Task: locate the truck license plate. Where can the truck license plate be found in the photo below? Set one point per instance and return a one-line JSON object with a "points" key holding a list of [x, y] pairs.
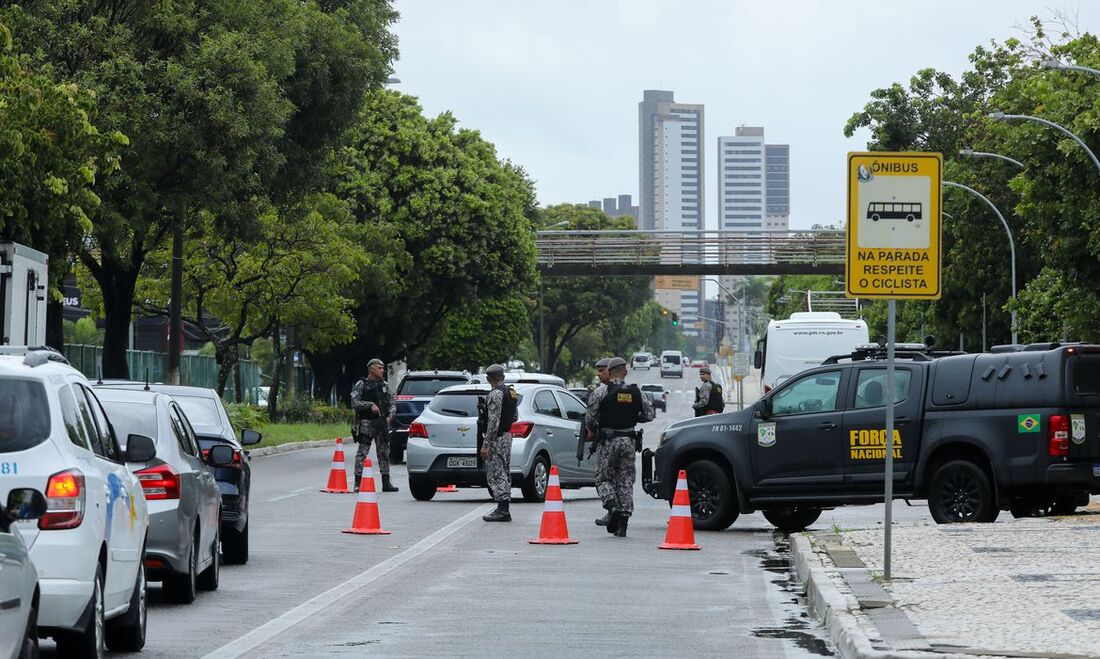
{"points": [[471, 463]]}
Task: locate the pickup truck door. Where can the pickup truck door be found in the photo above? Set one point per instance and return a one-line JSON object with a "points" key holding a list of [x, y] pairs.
{"points": [[865, 426], [799, 444]]}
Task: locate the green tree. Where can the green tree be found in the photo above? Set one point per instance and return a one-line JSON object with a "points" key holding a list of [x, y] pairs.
{"points": [[82, 332], [478, 334], [226, 104]]}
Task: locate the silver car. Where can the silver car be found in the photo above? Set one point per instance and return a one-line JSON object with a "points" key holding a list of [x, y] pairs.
{"points": [[18, 576], [184, 500], [442, 446]]}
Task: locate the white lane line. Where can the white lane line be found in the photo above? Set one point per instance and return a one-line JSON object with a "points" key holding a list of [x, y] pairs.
{"points": [[292, 493], [305, 610]]}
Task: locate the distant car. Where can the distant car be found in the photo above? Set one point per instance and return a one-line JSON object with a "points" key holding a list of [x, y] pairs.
{"points": [[19, 576], [210, 421], [184, 500], [522, 378], [414, 392], [640, 360], [658, 394], [700, 363], [90, 543], [443, 441], [685, 361], [580, 392]]}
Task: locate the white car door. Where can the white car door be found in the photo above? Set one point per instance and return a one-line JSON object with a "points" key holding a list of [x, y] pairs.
{"points": [[123, 533], [13, 602]]}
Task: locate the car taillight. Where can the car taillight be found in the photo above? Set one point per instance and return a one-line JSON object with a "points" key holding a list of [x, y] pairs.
{"points": [[522, 428], [65, 494], [417, 429], [237, 463], [1058, 444], [403, 397], [160, 482]]}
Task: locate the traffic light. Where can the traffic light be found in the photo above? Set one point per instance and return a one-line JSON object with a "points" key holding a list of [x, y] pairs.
{"points": [[664, 311], [675, 319]]}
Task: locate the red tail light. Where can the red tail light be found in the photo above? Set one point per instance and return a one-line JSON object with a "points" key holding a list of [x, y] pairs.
{"points": [[417, 429], [522, 428], [1058, 444], [160, 482], [403, 397], [65, 495], [237, 463]]}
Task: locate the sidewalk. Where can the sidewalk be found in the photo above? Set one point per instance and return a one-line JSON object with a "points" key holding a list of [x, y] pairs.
{"points": [[1017, 588]]}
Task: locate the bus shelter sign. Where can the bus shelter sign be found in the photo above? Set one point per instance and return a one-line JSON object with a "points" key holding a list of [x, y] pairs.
{"points": [[894, 246]]}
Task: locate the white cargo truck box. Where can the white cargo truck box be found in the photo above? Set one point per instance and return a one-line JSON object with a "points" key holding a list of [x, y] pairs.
{"points": [[23, 281]]}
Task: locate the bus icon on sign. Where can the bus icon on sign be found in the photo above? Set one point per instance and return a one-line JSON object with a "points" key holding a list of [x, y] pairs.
{"points": [[893, 211]]}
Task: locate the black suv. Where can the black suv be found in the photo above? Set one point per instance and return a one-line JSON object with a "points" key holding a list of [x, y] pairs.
{"points": [[1015, 429], [414, 392]]}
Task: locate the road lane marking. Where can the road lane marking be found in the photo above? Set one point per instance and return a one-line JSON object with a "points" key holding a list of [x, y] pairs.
{"points": [[292, 493], [309, 608]]}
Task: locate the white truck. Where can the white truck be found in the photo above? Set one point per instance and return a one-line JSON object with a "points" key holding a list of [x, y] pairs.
{"points": [[803, 341], [23, 280]]}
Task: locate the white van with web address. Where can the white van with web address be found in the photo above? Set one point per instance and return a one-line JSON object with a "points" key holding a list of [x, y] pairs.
{"points": [[803, 341], [672, 364]]}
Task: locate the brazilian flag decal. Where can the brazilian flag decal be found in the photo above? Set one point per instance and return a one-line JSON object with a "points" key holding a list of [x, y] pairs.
{"points": [[1027, 423]]}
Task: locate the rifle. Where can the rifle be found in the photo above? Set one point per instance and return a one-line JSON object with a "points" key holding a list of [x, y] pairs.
{"points": [[482, 426], [581, 443]]}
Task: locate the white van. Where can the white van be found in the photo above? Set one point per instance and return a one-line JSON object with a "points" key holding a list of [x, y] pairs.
{"points": [[672, 364], [803, 341]]}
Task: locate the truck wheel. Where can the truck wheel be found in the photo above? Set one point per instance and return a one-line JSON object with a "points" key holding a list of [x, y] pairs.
{"points": [[961, 492], [713, 501], [1066, 505], [422, 490], [792, 520]]}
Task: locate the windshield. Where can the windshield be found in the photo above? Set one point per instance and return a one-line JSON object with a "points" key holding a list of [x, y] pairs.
{"points": [[426, 387], [24, 414], [132, 418], [671, 359], [200, 411]]}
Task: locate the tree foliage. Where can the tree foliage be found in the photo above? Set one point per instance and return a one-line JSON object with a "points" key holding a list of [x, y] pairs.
{"points": [[478, 334]]}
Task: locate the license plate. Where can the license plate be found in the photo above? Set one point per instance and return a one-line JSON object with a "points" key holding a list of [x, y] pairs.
{"points": [[1096, 470], [462, 463]]}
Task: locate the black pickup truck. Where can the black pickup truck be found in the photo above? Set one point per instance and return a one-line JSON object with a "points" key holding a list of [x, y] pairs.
{"points": [[1015, 429]]}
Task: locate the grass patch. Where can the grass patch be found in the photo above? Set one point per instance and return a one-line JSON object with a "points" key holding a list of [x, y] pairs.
{"points": [[285, 433]]}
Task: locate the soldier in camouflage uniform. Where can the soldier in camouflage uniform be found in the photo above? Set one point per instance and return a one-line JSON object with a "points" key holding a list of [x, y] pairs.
{"points": [[708, 395], [613, 410], [496, 450], [374, 410], [603, 486]]}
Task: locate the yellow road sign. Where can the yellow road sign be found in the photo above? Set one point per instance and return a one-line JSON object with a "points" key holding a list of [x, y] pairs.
{"points": [[894, 246], [676, 282]]}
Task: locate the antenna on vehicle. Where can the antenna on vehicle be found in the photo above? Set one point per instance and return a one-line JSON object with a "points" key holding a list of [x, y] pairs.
{"points": [[146, 378]]}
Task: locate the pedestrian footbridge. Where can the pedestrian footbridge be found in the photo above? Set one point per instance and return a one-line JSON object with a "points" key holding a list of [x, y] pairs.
{"points": [[565, 253]]}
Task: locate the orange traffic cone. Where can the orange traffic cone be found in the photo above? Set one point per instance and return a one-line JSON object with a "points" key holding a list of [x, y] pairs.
{"points": [[338, 475], [681, 534], [554, 530], [365, 521], [447, 488]]}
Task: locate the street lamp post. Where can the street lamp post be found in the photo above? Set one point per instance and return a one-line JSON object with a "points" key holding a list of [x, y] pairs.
{"points": [[1011, 246], [984, 154], [1001, 116], [1056, 65]]}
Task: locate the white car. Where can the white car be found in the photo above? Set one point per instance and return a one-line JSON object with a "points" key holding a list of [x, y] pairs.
{"points": [[18, 577], [89, 546], [640, 360]]}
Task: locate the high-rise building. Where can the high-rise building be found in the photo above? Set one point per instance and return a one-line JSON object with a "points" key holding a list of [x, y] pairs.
{"points": [[777, 197], [671, 166], [617, 206]]}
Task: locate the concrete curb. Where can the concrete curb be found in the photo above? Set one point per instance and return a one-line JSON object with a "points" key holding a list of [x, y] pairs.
{"points": [[832, 608], [291, 446]]}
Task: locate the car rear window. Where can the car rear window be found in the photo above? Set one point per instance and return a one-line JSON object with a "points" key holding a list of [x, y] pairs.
{"points": [[671, 359], [24, 414], [426, 386], [200, 411], [455, 404], [132, 418], [1085, 375]]}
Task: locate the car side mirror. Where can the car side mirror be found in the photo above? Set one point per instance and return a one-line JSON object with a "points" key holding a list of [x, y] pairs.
{"points": [[25, 503], [140, 448], [250, 437], [757, 359], [220, 455], [762, 408]]}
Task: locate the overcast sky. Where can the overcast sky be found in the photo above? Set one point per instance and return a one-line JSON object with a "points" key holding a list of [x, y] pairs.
{"points": [[555, 84]]}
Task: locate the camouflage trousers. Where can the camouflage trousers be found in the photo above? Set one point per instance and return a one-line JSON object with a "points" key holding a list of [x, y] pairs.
{"points": [[378, 435], [498, 473], [615, 474]]}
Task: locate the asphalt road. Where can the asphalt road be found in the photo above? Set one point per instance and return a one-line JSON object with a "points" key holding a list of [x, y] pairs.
{"points": [[446, 583]]}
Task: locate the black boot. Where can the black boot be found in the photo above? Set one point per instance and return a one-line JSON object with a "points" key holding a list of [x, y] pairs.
{"points": [[501, 514], [356, 485], [387, 486], [603, 520], [613, 521], [620, 528]]}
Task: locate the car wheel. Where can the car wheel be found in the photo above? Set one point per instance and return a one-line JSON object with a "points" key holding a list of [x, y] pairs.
{"points": [[90, 642], [210, 577], [961, 492], [29, 648], [235, 546], [127, 632], [422, 490], [793, 520], [713, 501], [181, 588], [1064, 505], [534, 486]]}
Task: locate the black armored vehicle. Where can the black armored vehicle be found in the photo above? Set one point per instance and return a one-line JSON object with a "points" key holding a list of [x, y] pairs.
{"points": [[1014, 429]]}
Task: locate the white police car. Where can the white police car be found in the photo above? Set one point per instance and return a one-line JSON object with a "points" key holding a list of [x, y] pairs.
{"points": [[89, 545]]}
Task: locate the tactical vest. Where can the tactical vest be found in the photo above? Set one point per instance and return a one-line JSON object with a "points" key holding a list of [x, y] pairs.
{"points": [[377, 392], [621, 406], [508, 409], [715, 402]]}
